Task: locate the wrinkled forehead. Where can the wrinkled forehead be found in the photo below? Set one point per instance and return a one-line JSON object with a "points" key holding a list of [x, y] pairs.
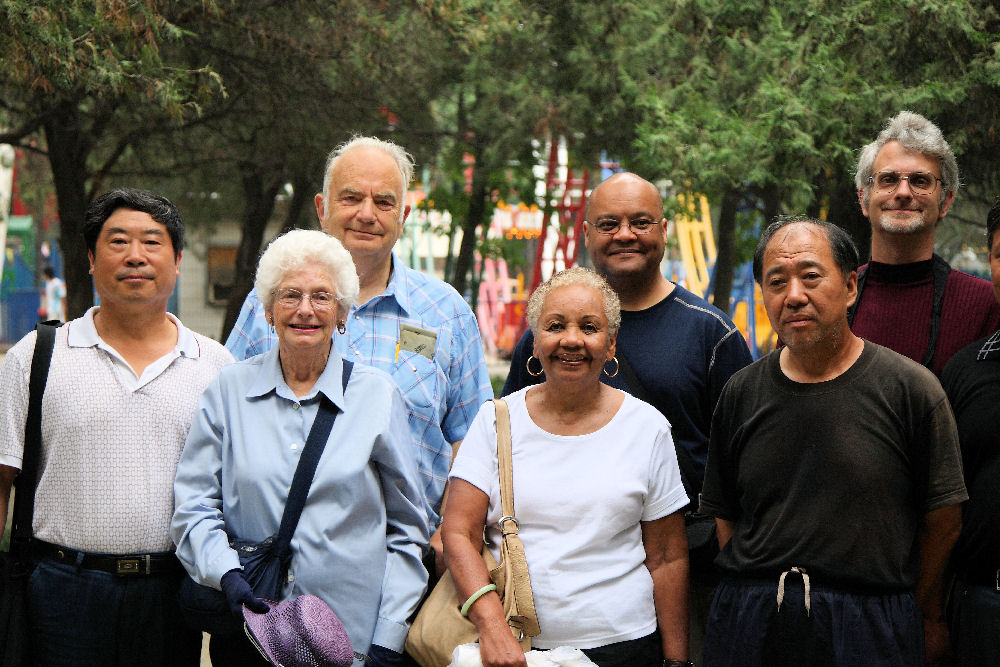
{"points": [[802, 242], [625, 197], [367, 169]]}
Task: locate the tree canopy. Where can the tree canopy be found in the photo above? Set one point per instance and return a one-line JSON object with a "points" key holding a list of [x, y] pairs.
{"points": [[757, 104]]}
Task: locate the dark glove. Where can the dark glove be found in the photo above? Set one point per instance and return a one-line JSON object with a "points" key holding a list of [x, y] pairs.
{"points": [[238, 593], [380, 656]]}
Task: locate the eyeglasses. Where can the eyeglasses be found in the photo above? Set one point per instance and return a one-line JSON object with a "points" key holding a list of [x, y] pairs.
{"points": [[921, 182], [610, 226], [291, 298]]}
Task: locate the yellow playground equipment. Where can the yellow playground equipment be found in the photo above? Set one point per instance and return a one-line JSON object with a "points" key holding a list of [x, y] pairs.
{"points": [[696, 243]]}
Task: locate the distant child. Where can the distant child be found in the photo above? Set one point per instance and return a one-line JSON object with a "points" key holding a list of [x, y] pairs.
{"points": [[54, 299]]}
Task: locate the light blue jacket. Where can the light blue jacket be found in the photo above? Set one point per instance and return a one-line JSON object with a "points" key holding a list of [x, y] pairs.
{"points": [[360, 538]]}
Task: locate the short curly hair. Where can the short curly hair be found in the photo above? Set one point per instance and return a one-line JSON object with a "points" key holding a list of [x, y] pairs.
{"points": [[299, 249], [578, 275]]}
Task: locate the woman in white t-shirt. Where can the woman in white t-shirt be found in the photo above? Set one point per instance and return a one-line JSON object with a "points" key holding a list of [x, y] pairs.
{"points": [[597, 494]]}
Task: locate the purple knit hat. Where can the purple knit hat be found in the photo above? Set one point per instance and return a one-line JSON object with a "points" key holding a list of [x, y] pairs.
{"points": [[303, 632]]}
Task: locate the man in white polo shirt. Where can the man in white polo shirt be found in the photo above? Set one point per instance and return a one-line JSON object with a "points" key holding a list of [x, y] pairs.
{"points": [[122, 388]]}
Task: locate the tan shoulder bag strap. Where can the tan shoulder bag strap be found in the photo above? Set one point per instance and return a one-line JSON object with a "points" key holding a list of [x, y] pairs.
{"points": [[519, 603]]}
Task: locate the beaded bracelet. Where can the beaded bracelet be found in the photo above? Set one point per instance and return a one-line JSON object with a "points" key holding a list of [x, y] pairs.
{"points": [[677, 663], [475, 596]]}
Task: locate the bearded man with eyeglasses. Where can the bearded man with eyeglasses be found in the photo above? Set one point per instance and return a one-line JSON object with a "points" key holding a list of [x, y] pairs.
{"points": [[909, 299]]}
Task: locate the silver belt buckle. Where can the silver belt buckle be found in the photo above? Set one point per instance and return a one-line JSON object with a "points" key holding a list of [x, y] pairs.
{"points": [[126, 566]]}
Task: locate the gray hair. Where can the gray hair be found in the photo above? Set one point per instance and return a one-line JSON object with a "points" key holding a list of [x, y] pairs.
{"points": [[916, 134], [845, 253], [578, 275], [301, 248], [403, 160]]}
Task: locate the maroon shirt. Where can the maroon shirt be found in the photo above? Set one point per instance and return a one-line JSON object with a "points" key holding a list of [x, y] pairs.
{"points": [[896, 304]]}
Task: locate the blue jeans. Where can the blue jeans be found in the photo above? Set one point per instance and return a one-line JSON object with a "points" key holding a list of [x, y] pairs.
{"points": [[80, 618], [975, 625]]}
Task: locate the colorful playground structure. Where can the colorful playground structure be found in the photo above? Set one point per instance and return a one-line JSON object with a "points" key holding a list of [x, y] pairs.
{"points": [[558, 233]]}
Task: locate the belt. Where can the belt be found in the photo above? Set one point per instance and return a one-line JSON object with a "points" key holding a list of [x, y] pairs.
{"points": [[121, 565]]}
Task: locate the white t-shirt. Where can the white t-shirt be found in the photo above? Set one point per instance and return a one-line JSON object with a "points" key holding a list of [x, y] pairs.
{"points": [[579, 501]]}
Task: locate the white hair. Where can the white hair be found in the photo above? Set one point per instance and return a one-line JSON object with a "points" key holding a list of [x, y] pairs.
{"points": [[404, 161], [301, 248], [577, 275]]}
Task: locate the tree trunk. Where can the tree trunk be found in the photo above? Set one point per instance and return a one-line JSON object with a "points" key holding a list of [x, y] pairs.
{"points": [[845, 211], [68, 148], [302, 196], [772, 203], [726, 246], [259, 191], [475, 217]]}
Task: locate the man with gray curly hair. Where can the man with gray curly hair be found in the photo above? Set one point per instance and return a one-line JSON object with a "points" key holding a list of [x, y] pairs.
{"points": [[909, 299]]}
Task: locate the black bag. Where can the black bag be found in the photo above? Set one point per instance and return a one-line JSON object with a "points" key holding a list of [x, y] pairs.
{"points": [[207, 609], [265, 564], [13, 611], [16, 565]]}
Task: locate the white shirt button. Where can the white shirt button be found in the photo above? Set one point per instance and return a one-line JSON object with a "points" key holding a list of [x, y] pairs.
{"points": [[295, 406], [294, 446]]}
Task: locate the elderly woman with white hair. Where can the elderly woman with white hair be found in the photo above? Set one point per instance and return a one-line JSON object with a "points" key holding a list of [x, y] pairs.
{"points": [[597, 497], [362, 531]]}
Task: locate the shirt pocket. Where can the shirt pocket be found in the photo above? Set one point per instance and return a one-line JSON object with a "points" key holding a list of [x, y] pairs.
{"points": [[420, 380]]}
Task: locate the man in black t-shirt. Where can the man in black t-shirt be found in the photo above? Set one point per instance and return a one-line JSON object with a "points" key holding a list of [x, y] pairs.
{"points": [[835, 479], [972, 381]]}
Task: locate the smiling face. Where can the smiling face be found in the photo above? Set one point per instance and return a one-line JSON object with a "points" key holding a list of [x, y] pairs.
{"points": [[805, 293], [133, 261], [904, 211], [626, 257], [305, 328], [573, 340], [364, 210]]}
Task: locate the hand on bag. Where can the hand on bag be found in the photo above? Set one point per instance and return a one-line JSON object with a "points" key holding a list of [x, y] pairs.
{"points": [[500, 649], [380, 656], [238, 593]]}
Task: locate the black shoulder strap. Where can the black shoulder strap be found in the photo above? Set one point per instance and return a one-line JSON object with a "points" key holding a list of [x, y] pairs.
{"points": [[689, 471], [319, 433], [24, 498], [941, 271]]}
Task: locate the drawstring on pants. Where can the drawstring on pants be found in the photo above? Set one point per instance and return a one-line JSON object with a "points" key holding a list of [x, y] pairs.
{"points": [[805, 583]]}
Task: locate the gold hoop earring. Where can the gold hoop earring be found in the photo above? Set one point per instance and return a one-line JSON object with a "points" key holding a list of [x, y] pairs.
{"points": [[527, 366], [617, 367], [341, 327]]}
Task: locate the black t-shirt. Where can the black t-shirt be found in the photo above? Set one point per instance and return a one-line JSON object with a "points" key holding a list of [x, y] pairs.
{"points": [[972, 381], [833, 476], [683, 350]]}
